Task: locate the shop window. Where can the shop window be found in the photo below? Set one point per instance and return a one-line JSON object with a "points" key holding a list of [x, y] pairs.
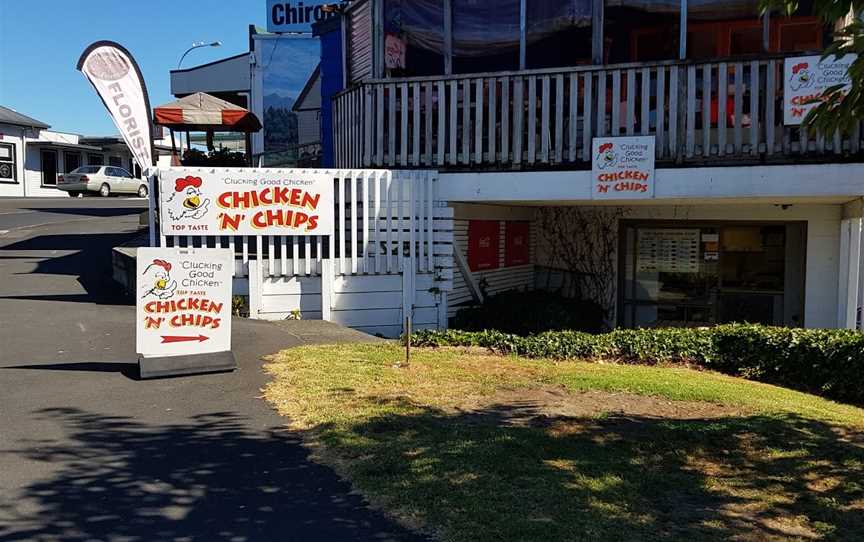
{"points": [[483, 244], [485, 35], [8, 166], [683, 275], [720, 29], [71, 161], [49, 167], [558, 33], [115, 161], [640, 32], [517, 243], [420, 25], [95, 160], [746, 39], [799, 34]]}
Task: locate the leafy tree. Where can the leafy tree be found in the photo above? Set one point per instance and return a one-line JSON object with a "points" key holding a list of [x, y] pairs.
{"points": [[837, 110]]}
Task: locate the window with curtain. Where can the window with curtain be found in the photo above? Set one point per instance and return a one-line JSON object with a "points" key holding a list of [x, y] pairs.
{"points": [[420, 24], [558, 33], [485, 35]]}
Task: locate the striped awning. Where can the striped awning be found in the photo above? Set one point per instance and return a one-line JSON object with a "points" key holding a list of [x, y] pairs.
{"points": [[203, 112]]}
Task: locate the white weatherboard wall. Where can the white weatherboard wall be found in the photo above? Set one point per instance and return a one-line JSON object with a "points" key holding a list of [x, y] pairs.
{"points": [[822, 251], [29, 144], [369, 303], [520, 277]]}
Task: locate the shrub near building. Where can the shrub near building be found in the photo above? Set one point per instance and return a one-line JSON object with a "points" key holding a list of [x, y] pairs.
{"points": [[827, 362]]}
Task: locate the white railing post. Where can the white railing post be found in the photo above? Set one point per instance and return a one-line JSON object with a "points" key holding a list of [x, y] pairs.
{"points": [[254, 278], [327, 278]]}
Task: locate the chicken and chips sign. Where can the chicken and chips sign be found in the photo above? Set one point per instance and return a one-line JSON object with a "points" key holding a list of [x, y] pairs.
{"points": [[622, 167], [805, 80], [245, 202], [183, 301]]}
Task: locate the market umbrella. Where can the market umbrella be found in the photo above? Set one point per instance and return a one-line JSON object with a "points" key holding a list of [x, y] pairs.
{"points": [[202, 112]]}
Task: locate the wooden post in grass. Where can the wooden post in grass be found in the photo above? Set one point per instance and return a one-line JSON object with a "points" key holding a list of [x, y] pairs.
{"points": [[407, 340]]}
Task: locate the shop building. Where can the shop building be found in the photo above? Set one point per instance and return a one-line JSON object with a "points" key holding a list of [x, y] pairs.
{"points": [[749, 216], [32, 156]]}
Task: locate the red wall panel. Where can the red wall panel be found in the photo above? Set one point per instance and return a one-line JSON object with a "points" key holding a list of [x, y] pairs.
{"points": [[516, 243], [483, 244]]}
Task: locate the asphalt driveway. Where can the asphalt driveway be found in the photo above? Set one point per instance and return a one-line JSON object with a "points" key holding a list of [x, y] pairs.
{"points": [[87, 452]]}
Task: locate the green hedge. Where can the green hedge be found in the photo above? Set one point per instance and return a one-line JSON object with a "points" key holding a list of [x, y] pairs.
{"points": [[827, 362], [529, 312]]}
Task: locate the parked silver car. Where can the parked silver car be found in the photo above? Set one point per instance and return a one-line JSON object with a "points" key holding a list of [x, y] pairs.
{"points": [[105, 180]]}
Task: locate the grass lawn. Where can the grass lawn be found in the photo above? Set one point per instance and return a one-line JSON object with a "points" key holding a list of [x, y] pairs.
{"points": [[476, 447]]}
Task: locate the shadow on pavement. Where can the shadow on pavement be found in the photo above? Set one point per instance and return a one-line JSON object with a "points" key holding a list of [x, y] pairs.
{"points": [[211, 478], [129, 370], [96, 212], [85, 255]]}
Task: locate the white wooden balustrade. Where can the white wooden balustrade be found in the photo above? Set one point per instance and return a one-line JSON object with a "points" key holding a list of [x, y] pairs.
{"points": [[711, 112], [381, 217]]}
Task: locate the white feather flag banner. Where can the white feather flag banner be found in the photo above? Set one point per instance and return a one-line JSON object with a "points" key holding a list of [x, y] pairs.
{"points": [[117, 79]]}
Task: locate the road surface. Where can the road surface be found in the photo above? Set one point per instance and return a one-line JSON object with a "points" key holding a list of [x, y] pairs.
{"points": [[87, 452]]}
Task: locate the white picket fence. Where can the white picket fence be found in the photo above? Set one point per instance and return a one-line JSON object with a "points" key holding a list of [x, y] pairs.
{"points": [[391, 256]]}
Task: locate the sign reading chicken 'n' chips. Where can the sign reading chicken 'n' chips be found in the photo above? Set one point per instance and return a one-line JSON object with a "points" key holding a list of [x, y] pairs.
{"points": [[183, 305], [806, 78], [197, 201], [622, 167]]}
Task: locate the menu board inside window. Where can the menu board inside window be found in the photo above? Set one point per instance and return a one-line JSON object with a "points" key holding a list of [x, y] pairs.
{"points": [[667, 250]]}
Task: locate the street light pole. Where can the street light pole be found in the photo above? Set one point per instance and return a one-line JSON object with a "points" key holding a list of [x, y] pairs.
{"points": [[196, 45]]}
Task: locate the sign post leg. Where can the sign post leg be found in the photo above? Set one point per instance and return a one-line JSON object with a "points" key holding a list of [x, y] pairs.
{"points": [[151, 208]]}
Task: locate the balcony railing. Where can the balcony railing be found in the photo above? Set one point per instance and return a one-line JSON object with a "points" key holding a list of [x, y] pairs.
{"points": [[712, 112]]}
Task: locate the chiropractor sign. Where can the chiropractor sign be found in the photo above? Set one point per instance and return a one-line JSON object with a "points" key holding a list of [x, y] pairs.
{"points": [[245, 202]]}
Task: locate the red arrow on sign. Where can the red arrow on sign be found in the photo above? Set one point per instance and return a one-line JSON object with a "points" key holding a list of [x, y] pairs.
{"points": [[178, 339]]}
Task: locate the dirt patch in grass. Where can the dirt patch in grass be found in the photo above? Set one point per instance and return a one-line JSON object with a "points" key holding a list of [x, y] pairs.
{"points": [[548, 405]]}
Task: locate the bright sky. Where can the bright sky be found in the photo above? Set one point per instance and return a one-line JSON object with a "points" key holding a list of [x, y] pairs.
{"points": [[41, 40]]}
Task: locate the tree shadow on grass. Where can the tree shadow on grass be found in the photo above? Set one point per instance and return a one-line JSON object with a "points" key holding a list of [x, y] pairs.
{"points": [[504, 473], [210, 479]]}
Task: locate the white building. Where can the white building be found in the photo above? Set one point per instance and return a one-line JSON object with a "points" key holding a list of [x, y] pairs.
{"points": [[750, 219], [32, 156]]}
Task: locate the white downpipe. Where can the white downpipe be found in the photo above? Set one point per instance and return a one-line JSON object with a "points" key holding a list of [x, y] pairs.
{"points": [[854, 268]]}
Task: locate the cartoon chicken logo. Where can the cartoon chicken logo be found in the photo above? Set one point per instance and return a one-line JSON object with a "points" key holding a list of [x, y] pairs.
{"points": [[187, 201], [801, 76], [606, 156], [157, 279]]}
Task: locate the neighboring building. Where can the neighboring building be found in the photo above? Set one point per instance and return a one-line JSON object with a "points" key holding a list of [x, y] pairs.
{"points": [[32, 156], [307, 107], [288, 107], [749, 218]]}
